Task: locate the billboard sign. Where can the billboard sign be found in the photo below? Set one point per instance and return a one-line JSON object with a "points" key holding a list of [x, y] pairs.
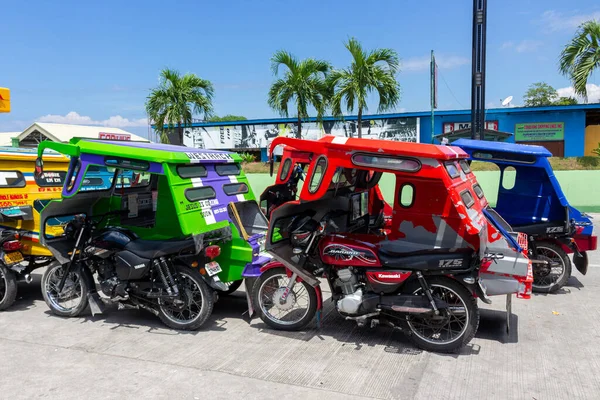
{"points": [[114, 136], [540, 131], [450, 127]]}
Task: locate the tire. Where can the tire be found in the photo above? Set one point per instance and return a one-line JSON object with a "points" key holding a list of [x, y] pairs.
{"points": [[192, 280], [547, 251], [461, 295], [8, 287], [232, 287], [52, 273], [259, 297]]}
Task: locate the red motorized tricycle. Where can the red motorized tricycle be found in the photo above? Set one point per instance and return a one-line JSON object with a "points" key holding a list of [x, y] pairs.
{"points": [[421, 270]]}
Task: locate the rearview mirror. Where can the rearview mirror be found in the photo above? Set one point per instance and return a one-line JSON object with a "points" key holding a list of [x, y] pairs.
{"points": [[39, 167], [272, 165]]}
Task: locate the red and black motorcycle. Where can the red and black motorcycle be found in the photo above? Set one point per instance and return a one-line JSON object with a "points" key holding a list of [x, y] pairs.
{"points": [[429, 294]]}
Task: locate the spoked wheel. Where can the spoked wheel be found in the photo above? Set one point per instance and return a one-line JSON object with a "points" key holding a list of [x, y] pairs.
{"points": [[548, 278], [232, 286], [293, 313], [454, 327], [194, 305], [8, 287], [72, 300]]}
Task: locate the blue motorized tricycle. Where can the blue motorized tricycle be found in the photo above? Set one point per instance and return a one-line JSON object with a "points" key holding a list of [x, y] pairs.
{"points": [[531, 200]]}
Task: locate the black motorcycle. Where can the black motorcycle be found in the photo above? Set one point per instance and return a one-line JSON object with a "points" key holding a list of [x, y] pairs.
{"points": [[168, 278]]}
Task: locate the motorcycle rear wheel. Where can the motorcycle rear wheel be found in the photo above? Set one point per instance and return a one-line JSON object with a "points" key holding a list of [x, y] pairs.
{"points": [[454, 329], [545, 278], [264, 295], [8, 287], [199, 299], [72, 300]]}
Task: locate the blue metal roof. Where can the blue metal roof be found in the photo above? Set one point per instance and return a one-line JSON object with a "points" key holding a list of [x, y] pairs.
{"points": [[441, 113], [483, 145]]}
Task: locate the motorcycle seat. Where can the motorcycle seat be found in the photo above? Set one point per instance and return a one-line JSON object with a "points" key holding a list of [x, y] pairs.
{"points": [[401, 254], [159, 248]]}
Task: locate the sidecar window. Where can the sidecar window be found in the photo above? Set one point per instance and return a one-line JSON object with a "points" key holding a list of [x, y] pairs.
{"points": [[73, 171], [452, 170], [127, 164], [285, 169], [12, 179], [478, 190], [464, 165], [47, 179], [235, 188], [200, 193], [386, 162], [467, 198], [192, 171], [228, 169], [317, 175]]}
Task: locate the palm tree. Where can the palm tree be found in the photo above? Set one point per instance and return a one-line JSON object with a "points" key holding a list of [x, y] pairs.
{"points": [[369, 71], [175, 100], [581, 56], [303, 83]]}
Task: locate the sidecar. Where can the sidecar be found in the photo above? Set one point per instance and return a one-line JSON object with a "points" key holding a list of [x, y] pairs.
{"points": [[531, 200], [164, 192]]}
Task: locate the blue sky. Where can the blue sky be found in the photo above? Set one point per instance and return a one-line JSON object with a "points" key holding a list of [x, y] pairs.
{"points": [[95, 63]]}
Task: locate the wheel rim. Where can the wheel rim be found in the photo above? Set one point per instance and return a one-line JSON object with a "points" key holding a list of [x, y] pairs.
{"points": [[3, 285], [72, 294], [293, 310], [449, 326], [193, 299], [546, 276]]}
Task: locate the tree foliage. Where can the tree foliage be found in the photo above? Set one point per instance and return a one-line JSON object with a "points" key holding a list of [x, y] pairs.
{"points": [[227, 118], [581, 56], [565, 101], [302, 84], [370, 71], [540, 94], [172, 104]]}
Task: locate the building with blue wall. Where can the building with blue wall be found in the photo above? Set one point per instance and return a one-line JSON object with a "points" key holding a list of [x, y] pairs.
{"points": [[567, 131]]}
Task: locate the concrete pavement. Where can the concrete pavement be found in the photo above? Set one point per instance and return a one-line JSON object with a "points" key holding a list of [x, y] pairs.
{"points": [[552, 352]]}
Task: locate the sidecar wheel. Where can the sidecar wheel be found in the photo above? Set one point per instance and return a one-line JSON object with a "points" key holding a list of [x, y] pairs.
{"points": [[8, 287]]}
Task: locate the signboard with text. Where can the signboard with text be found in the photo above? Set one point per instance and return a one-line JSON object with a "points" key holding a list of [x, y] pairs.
{"points": [[114, 136], [540, 131], [450, 127]]}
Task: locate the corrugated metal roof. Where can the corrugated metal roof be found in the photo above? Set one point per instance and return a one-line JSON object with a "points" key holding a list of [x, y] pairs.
{"points": [[64, 132]]}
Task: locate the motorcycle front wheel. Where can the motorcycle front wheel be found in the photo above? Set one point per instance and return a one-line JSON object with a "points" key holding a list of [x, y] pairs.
{"points": [[8, 287], [454, 327], [73, 299], [194, 305], [298, 309]]}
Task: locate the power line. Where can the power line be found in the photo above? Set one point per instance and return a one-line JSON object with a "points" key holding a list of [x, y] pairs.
{"points": [[448, 86]]}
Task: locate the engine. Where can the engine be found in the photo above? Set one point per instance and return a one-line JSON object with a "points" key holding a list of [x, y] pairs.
{"points": [[352, 291], [109, 282]]}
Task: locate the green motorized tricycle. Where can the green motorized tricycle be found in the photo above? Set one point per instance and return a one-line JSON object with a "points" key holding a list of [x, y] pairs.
{"points": [[176, 227]]}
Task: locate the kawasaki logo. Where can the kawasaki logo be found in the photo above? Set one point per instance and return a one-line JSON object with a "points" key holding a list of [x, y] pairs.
{"points": [[389, 276]]}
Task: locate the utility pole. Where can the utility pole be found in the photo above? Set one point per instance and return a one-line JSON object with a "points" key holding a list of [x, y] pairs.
{"points": [[433, 81], [478, 70]]}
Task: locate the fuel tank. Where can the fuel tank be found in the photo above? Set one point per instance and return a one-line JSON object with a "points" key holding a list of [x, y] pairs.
{"points": [[113, 238], [348, 250]]}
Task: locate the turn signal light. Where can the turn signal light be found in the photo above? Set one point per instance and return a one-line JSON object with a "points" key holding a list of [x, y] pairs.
{"points": [[11, 245], [212, 251]]}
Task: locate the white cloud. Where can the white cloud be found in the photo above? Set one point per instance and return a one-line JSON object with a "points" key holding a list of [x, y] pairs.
{"points": [[522, 46], [422, 63], [593, 92], [115, 121], [554, 21]]}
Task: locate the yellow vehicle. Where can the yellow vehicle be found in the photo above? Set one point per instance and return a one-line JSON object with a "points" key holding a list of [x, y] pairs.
{"points": [[22, 197]]}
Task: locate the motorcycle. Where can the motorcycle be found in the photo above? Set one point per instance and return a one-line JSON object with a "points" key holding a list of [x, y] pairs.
{"points": [[427, 294], [10, 260], [163, 277]]}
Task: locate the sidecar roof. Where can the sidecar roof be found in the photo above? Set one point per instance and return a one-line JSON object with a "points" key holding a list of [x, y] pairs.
{"points": [[471, 146], [406, 149], [155, 152]]}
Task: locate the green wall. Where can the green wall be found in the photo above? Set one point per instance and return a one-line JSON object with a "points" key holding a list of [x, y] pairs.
{"points": [[582, 188]]}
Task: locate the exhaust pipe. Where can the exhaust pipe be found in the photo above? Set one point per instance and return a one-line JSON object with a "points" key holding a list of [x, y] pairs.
{"points": [[411, 310], [28, 278]]}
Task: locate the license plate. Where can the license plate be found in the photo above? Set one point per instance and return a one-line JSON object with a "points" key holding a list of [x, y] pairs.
{"points": [[12, 258], [213, 268]]}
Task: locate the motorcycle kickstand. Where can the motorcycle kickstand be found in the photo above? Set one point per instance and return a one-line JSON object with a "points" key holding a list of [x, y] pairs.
{"points": [[508, 312], [427, 290]]}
